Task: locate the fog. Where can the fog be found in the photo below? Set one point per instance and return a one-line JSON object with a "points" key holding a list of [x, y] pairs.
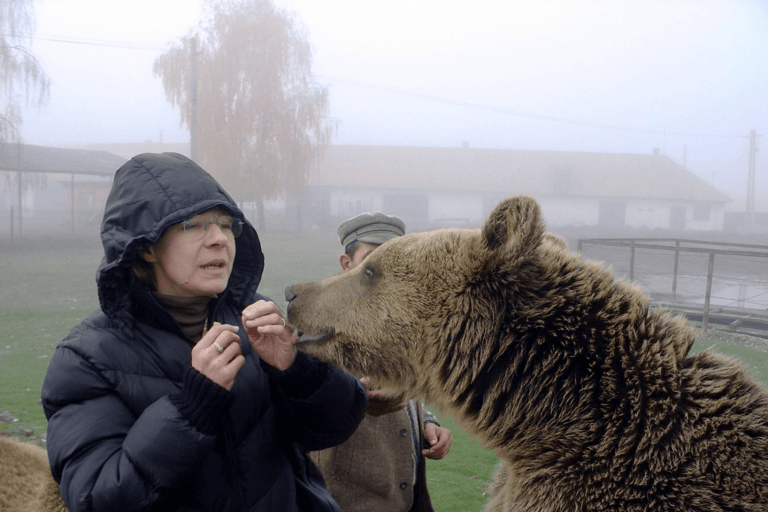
{"points": [[688, 78]]}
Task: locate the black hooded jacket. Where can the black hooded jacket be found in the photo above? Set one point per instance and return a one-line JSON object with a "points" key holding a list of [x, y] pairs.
{"points": [[132, 426]]}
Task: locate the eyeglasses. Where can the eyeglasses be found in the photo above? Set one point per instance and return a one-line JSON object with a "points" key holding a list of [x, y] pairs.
{"points": [[198, 228]]}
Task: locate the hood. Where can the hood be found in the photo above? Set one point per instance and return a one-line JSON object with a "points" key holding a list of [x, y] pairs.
{"points": [[151, 192]]}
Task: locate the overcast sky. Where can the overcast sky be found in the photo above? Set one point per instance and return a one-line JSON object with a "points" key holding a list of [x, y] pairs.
{"points": [[689, 77]]}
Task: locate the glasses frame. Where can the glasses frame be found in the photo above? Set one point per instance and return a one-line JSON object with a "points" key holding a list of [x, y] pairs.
{"points": [[199, 229]]}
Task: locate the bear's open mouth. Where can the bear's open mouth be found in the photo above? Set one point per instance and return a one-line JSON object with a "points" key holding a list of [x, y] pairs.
{"points": [[317, 337]]}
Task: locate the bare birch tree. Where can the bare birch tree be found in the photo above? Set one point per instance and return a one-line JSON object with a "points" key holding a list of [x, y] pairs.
{"points": [[22, 82], [21, 75], [260, 117]]}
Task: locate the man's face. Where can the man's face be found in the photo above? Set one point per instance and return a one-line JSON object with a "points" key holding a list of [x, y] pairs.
{"points": [[362, 251]]}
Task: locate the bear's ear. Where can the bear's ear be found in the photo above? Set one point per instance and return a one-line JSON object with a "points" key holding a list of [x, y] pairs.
{"points": [[514, 228], [556, 241]]}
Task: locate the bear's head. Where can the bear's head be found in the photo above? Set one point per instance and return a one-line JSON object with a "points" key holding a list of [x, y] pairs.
{"points": [[394, 314]]}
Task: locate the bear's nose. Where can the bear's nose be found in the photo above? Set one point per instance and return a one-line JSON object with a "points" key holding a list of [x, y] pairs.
{"points": [[289, 295]]}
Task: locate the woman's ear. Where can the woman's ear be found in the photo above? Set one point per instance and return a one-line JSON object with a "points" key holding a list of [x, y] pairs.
{"points": [[148, 254]]}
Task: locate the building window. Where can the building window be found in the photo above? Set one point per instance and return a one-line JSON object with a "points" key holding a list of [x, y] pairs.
{"points": [[612, 214], [352, 207], [677, 218], [701, 212]]}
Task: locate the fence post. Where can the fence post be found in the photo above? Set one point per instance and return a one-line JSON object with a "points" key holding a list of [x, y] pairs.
{"points": [[11, 223], [674, 271], [632, 262], [72, 197], [21, 207], [708, 294]]}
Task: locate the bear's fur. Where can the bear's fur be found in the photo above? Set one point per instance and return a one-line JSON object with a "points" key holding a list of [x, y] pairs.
{"points": [[26, 483], [588, 397]]}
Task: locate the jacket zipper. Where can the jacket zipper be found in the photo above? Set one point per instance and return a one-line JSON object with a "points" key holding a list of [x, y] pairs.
{"points": [[230, 466], [228, 445]]}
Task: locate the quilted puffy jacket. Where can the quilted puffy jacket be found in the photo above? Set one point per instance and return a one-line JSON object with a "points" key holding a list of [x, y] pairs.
{"points": [[131, 426]]}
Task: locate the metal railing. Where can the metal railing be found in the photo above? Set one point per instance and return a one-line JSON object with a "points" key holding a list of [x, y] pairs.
{"points": [[727, 253]]}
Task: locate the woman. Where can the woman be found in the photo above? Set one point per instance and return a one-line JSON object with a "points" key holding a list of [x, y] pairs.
{"points": [[184, 391]]}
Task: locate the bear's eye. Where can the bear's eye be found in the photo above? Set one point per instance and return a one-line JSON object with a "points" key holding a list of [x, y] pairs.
{"points": [[370, 273]]}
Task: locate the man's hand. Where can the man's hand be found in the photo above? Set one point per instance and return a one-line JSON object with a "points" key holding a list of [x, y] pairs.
{"points": [[380, 403], [439, 439], [218, 355], [272, 340]]}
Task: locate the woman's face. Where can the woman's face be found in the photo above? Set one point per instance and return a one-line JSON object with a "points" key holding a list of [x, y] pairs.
{"points": [[194, 258]]}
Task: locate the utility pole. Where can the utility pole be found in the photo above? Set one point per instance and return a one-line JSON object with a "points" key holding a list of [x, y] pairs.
{"points": [[751, 178], [21, 207], [193, 101]]}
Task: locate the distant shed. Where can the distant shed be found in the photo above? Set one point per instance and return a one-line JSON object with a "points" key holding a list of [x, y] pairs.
{"points": [[43, 182], [30, 158], [433, 187]]}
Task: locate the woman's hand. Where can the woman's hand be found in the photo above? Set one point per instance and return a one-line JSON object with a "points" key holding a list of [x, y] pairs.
{"points": [[268, 334], [218, 355]]}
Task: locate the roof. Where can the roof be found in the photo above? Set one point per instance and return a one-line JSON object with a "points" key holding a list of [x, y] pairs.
{"points": [[29, 158], [131, 149], [512, 171]]}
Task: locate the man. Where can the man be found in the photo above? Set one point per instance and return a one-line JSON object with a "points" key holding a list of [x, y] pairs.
{"points": [[382, 466]]}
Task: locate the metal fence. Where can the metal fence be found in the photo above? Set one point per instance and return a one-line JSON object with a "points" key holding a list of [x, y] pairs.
{"points": [[47, 223], [718, 279]]}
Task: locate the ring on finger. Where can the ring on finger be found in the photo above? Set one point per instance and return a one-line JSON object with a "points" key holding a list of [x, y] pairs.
{"points": [[218, 346], [283, 319]]}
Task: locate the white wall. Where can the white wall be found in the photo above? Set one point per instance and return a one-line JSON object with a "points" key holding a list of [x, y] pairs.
{"points": [[569, 211], [640, 213], [655, 214], [651, 214], [459, 209]]}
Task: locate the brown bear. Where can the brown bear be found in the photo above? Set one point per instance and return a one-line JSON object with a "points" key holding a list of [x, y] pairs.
{"points": [[26, 483], [587, 395]]}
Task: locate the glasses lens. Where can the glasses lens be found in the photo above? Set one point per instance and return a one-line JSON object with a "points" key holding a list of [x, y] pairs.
{"points": [[230, 225], [198, 228], [194, 228]]}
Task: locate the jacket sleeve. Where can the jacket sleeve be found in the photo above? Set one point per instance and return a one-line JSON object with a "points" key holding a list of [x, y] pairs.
{"points": [[320, 404], [104, 456]]}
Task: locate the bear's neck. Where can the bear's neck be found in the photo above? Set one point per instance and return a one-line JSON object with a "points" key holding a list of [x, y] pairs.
{"points": [[558, 378]]}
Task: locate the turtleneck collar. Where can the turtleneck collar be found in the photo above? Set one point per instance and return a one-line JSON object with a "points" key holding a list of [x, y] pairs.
{"points": [[190, 313]]}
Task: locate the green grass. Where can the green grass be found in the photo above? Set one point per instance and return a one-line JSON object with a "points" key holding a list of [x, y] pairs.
{"points": [[457, 482], [291, 259], [47, 287], [756, 361]]}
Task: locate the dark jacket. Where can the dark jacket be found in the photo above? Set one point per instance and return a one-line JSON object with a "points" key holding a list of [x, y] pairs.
{"points": [[131, 426]]}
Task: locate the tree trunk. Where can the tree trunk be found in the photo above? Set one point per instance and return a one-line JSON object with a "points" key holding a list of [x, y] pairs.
{"points": [[261, 225]]}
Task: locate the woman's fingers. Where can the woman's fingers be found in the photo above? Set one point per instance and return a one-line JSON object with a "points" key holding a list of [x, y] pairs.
{"points": [[218, 354], [216, 330], [263, 317]]}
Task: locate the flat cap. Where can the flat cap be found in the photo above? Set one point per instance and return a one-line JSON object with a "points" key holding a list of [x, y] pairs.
{"points": [[370, 227]]}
